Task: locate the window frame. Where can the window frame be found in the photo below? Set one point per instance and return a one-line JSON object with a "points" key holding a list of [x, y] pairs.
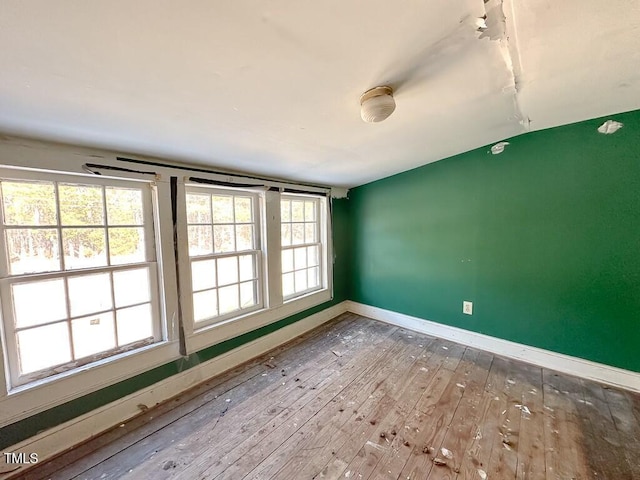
{"points": [[15, 377], [258, 252], [18, 154], [275, 307], [320, 243]]}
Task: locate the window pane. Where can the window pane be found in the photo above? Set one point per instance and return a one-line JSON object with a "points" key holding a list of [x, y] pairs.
{"points": [[131, 287], [310, 233], [244, 237], [89, 294], [80, 205], [28, 203], [124, 206], [224, 239], [309, 211], [35, 303], [32, 251], [205, 305], [84, 247], [246, 267], [298, 233], [286, 235], [287, 260], [285, 211], [134, 323], [243, 210], [198, 208], [301, 280], [228, 299], [247, 294], [43, 347], [203, 274], [313, 277], [222, 209], [297, 211], [287, 284], [300, 258], [200, 240], [93, 334], [126, 245], [312, 256], [227, 270]]}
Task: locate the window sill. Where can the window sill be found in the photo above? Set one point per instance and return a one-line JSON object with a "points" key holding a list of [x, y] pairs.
{"points": [[227, 329], [40, 395]]}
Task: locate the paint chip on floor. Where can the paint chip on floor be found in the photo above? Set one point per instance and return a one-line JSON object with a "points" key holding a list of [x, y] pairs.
{"points": [[483, 474], [446, 452]]}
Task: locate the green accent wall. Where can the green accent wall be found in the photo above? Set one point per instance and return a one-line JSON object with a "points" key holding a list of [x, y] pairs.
{"points": [[23, 429], [544, 239]]}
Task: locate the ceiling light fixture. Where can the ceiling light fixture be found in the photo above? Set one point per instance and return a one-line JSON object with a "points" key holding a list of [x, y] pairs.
{"points": [[377, 104]]}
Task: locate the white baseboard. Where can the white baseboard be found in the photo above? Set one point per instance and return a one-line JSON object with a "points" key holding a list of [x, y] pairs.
{"points": [[537, 356], [73, 432]]}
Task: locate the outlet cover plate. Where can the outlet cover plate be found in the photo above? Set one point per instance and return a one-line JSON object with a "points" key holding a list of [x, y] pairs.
{"points": [[467, 308]]}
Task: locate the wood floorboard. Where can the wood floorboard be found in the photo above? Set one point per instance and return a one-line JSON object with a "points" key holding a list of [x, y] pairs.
{"points": [[359, 399]]}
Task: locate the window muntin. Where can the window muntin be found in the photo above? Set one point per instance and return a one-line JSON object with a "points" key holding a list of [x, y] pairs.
{"points": [[79, 273], [301, 239], [224, 251]]}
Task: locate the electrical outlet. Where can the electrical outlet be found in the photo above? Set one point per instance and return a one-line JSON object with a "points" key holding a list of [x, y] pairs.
{"points": [[467, 307]]}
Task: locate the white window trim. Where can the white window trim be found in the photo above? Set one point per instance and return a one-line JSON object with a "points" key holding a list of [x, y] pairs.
{"points": [[323, 241], [185, 267], [22, 402], [275, 306], [17, 380]]}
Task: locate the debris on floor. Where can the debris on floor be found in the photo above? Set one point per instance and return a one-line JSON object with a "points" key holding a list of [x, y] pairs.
{"points": [[483, 474], [439, 462], [143, 407], [446, 452], [169, 464], [524, 409], [270, 365], [336, 353]]}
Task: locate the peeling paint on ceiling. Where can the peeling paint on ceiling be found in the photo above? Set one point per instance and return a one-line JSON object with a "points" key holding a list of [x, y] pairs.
{"points": [[273, 88]]}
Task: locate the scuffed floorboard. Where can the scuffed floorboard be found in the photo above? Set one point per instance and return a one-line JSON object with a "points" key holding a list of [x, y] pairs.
{"points": [[361, 399]]}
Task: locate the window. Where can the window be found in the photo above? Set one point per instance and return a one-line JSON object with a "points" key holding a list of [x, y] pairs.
{"points": [[224, 252], [90, 292], [78, 273], [301, 245]]}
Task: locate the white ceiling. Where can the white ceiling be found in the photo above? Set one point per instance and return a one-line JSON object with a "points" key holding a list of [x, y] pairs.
{"points": [[273, 87]]}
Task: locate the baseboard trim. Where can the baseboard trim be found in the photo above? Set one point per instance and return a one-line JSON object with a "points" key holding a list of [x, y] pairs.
{"points": [[62, 437], [579, 367]]}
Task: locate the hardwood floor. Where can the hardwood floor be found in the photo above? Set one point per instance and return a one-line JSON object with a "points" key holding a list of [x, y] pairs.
{"points": [[361, 399]]}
